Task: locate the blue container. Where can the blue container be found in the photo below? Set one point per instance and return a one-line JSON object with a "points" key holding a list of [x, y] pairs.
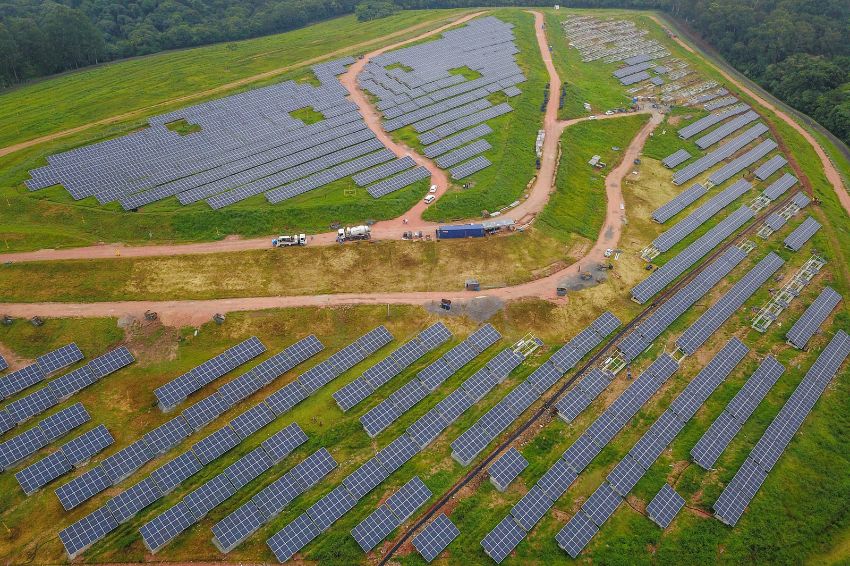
{"points": [[461, 231]]}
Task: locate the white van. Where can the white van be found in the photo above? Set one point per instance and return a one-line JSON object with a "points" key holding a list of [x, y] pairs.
{"points": [[429, 199]]}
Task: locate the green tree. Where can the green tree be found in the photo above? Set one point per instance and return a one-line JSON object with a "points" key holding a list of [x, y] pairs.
{"points": [[374, 9]]}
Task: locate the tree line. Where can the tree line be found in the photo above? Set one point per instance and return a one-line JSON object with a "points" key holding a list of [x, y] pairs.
{"points": [[797, 49]]}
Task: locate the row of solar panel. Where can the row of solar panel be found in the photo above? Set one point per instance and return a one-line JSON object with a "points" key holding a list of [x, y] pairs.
{"points": [[513, 529], [469, 444], [816, 314], [382, 372], [738, 493], [723, 152], [396, 510], [21, 379]]}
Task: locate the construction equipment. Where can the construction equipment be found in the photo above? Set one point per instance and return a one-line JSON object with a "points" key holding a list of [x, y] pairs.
{"points": [[293, 240], [353, 233], [150, 315]]}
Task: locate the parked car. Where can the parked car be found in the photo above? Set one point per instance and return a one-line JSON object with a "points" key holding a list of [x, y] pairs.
{"points": [[429, 199]]}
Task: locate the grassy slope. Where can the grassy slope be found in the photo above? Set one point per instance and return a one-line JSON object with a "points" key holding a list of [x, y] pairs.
{"points": [[512, 139], [578, 205], [29, 220]]}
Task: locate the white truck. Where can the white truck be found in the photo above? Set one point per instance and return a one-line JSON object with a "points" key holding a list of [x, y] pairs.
{"points": [[286, 241], [354, 233]]}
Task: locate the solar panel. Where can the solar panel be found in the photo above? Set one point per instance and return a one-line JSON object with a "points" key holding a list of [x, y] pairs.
{"points": [[557, 479], [312, 469], [66, 385], [532, 507], [398, 182], [252, 420], [365, 478], [778, 187], [83, 488], [209, 495], [31, 405], [467, 168], [576, 534], [282, 443], [544, 377], [665, 506], [726, 129], [331, 507], [59, 358], [675, 159], [723, 152], [737, 495], [272, 499], [410, 497], [126, 461], [237, 526], [174, 472], [163, 528], [79, 450], [507, 468], [216, 444], [801, 234], [39, 474], [19, 447], [601, 504], [581, 452], [126, 504], [205, 411], [703, 124], [286, 397], [64, 421], [435, 537], [374, 528], [688, 402], [110, 362], [807, 325], [625, 475], [20, 379], [161, 439], [740, 163], [88, 530], [293, 537], [248, 467], [503, 539], [397, 453], [770, 167]]}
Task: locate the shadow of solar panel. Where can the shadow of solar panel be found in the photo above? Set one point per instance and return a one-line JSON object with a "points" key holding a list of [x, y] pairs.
{"points": [[165, 527], [503, 539], [576, 534]]}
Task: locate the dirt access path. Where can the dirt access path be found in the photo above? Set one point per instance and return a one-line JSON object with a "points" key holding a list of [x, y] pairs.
{"points": [[831, 171], [179, 313], [385, 230], [205, 93]]}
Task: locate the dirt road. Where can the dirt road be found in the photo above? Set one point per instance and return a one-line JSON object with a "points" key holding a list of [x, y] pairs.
{"points": [[179, 313], [832, 174]]}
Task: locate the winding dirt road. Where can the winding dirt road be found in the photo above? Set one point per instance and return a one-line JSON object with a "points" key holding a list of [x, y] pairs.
{"points": [[196, 312]]}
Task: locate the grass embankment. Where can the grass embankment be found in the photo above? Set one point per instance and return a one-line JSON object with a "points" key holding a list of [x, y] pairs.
{"points": [[512, 139], [578, 204], [143, 86], [357, 268]]}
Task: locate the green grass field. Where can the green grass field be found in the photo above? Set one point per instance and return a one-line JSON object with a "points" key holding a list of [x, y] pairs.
{"points": [[578, 204]]}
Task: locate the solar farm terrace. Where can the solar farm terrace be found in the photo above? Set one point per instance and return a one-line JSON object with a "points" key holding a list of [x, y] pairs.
{"points": [[643, 359]]}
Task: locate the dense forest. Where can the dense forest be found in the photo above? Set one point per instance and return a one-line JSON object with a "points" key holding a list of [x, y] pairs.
{"points": [[797, 49]]}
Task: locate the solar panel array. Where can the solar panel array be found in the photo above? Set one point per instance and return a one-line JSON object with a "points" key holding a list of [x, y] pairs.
{"points": [[577, 399], [397, 509], [80, 535], [178, 389], [635, 78], [666, 240], [639, 339], [726, 130], [719, 312], [72, 454], [729, 423], [467, 168], [632, 69], [435, 537], [495, 421], [740, 163], [665, 506], [683, 261], [398, 182], [21, 379], [419, 86], [162, 529], [802, 234], [429, 379], [738, 493], [705, 123], [778, 187], [676, 159], [3, 364], [718, 103], [49, 429], [463, 153], [383, 171], [505, 537], [582, 527], [302, 530], [504, 470], [770, 167], [399, 360], [611, 40], [248, 144], [679, 203], [814, 316], [723, 152]]}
